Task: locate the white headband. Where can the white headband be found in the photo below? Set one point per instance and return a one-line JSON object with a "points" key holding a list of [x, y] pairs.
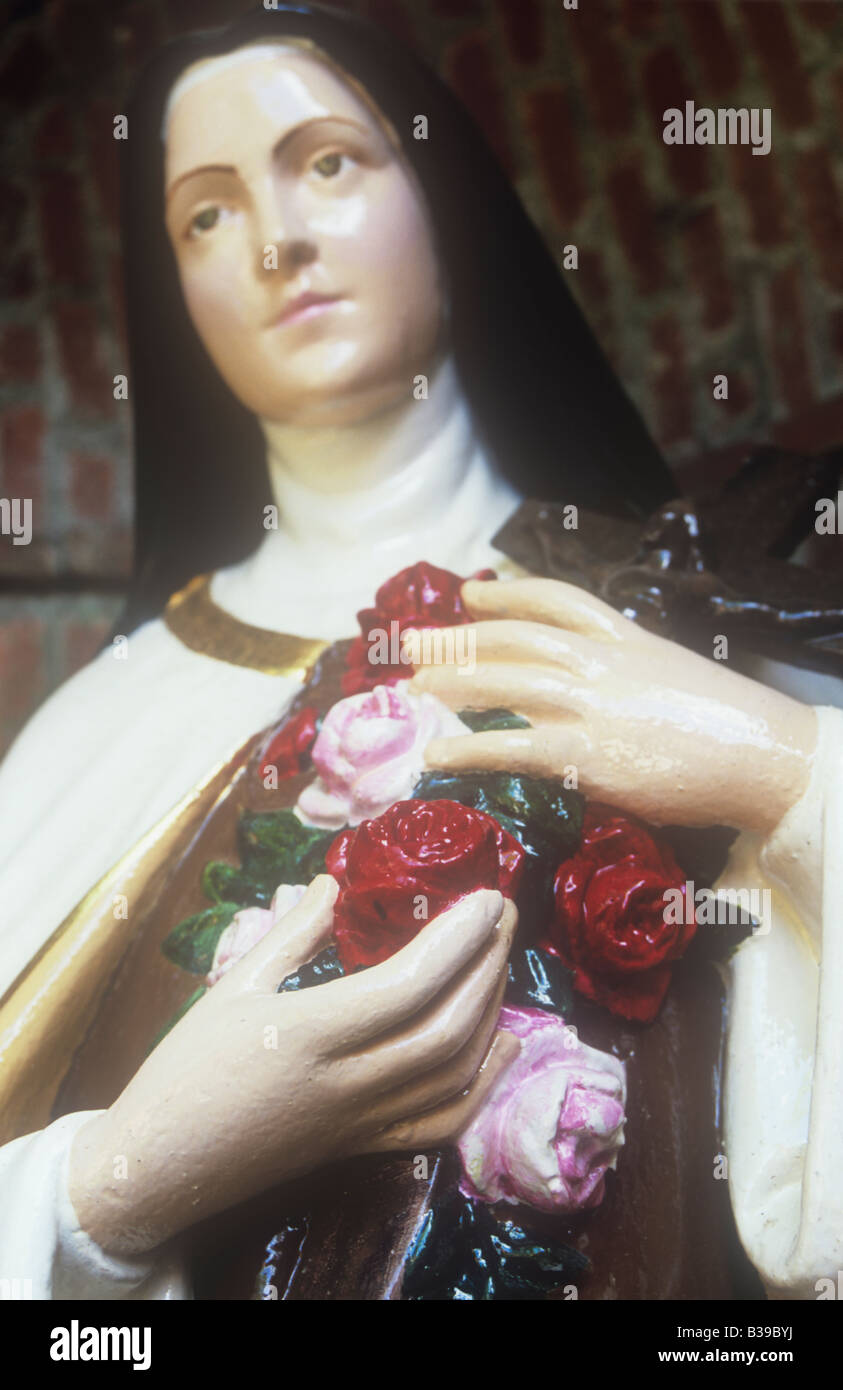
{"points": [[209, 67]]}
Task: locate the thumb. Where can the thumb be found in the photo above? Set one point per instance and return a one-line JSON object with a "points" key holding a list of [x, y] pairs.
{"points": [[300, 934]]}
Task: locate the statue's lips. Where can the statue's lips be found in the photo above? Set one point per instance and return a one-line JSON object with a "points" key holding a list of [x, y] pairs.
{"points": [[306, 306]]}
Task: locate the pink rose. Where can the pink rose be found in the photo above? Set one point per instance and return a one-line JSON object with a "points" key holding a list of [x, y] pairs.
{"points": [[553, 1123], [249, 926], [370, 753]]}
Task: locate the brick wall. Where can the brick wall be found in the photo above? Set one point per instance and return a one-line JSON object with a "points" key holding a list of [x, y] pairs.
{"points": [[693, 261]]}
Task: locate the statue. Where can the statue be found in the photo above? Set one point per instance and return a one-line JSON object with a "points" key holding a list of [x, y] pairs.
{"points": [[350, 354]]}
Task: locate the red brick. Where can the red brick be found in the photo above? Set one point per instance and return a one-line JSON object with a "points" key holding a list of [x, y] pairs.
{"points": [[472, 72], [83, 31], [767, 208], [91, 387], [835, 328], [820, 427], [823, 14], [92, 486], [98, 550], [391, 15], [706, 258], [102, 158], [54, 136], [456, 8], [773, 40], [606, 81], [713, 45], [27, 74], [12, 213], [118, 302], [671, 386], [822, 210], [139, 32], [63, 229], [20, 353], [789, 343], [548, 120], [591, 273], [637, 226], [523, 26], [22, 670], [742, 394], [641, 17], [17, 278], [667, 85], [21, 451]]}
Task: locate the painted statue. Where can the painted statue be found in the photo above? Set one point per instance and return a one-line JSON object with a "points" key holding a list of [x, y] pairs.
{"points": [[352, 360]]}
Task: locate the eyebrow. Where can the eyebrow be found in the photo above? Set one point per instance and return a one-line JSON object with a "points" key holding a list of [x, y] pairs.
{"points": [[277, 148]]}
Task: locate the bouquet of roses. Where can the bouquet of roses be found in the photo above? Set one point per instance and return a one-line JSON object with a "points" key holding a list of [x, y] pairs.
{"points": [[404, 844]]}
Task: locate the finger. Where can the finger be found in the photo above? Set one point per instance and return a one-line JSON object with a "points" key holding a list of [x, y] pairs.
{"points": [[302, 931], [501, 640], [446, 1122], [528, 690], [531, 752], [369, 1004], [440, 1084], [545, 601], [435, 1036]]}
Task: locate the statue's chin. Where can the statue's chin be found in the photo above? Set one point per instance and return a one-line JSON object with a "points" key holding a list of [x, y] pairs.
{"points": [[319, 379]]}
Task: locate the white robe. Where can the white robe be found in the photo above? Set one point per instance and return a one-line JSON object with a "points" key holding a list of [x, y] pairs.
{"points": [[117, 746]]}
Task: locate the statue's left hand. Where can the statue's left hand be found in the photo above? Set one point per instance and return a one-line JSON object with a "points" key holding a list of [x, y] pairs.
{"points": [[649, 726]]}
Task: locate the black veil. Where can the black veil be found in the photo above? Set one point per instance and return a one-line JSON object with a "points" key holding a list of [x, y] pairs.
{"points": [[544, 398]]}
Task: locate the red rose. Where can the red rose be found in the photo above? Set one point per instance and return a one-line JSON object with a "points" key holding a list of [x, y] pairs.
{"points": [[609, 923], [420, 596], [289, 750], [436, 850]]}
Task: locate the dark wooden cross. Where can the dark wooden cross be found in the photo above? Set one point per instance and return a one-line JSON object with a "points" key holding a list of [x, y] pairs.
{"points": [[713, 564]]}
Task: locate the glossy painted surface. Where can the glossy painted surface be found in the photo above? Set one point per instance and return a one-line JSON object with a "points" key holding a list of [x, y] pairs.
{"points": [[271, 157], [354, 1062], [648, 725], [629, 710]]}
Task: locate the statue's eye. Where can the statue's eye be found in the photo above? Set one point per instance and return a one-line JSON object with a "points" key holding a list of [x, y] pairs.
{"points": [[328, 165], [205, 220]]}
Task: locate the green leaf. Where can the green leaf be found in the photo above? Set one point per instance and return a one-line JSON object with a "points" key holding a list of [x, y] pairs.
{"points": [[224, 883], [718, 941], [542, 814], [277, 848], [191, 945], [547, 817], [463, 1253], [323, 967], [483, 721], [538, 980]]}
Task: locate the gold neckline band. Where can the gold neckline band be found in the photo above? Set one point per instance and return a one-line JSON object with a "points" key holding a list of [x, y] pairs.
{"points": [[193, 616]]}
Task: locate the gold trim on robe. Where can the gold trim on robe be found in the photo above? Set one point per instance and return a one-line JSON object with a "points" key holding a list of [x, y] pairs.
{"points": [[198, 622], [45, 1013]]}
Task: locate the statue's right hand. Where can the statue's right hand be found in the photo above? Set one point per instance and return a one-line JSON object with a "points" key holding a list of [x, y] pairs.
{"points": [[252, 1087]]}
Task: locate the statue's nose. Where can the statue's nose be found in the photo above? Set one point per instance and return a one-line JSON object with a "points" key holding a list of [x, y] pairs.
{"points": [[281, 242]]}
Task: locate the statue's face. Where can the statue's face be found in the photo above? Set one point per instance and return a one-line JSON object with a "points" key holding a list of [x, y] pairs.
{"points": [[281, 183]]}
